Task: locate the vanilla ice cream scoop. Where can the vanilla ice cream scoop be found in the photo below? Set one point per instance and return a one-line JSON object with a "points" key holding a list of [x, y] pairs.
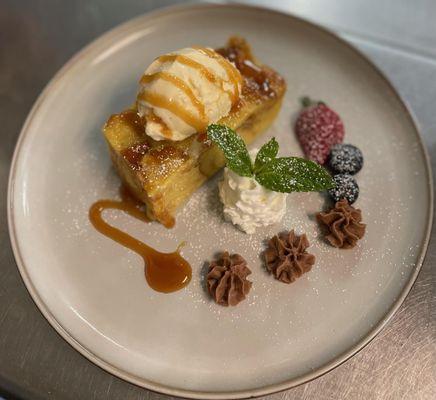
{"points": [[181, 93]]}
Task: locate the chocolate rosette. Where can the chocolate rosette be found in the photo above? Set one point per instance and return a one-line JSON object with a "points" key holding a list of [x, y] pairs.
{"points": [[227, 279], [286, 256], [343, 224]]}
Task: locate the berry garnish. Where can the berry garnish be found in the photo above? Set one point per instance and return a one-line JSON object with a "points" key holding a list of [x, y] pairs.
{"points": [[346, 188], [318, 128], [345, 159]]}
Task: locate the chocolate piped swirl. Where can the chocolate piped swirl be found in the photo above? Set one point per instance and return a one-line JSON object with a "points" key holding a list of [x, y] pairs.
{"points": [[286, 256], [227, 279], [343, 225]]}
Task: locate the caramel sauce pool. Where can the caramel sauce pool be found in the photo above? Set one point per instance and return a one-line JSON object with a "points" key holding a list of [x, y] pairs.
{"points": [[164, 272]]}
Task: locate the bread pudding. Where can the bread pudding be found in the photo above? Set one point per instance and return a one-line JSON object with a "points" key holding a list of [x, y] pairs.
{"points": [[159, 146]]}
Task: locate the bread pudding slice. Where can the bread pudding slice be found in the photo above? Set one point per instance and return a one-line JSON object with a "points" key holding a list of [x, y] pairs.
{"points": [[165, 173]]}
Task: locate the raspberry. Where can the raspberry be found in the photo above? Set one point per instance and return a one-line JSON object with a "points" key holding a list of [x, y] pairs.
{"points": [[318, 128]]}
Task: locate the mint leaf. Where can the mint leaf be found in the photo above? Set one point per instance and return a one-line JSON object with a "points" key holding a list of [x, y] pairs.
{"points": [[294, 174], [266, 154], [233, 147]]}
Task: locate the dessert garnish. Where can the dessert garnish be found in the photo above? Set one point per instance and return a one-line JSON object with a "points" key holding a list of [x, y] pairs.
{"points": [[345, 159], [254, 192], [343, 223], [227, 279], [346, 187], [158, 145], [164, 272], [318, 128], [286, 256], [248, 204]]}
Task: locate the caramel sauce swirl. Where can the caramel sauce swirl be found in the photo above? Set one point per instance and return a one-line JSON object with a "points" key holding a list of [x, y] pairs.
{"points": [[164, 272]]}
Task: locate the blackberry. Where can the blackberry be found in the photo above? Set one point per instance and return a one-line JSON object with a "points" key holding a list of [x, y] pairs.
{"points": [[346, 188], [345, 159]]}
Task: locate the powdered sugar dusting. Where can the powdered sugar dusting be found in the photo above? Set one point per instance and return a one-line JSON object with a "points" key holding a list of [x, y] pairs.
{"points": [[96, 288], [200, 223]]}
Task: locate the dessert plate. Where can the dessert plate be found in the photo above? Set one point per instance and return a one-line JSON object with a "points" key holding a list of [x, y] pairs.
{"points": [[93, 291]]}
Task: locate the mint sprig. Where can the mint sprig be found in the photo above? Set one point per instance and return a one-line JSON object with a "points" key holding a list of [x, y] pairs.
{"points": [[294, 174], [283, 174], [266, 154], [233, 147]]}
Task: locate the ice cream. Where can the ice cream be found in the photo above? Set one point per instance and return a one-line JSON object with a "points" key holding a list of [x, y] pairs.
{"points": [[181, 93], [248, 204]]}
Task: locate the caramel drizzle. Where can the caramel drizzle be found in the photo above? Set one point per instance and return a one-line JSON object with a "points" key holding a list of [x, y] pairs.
{"points": [[176, 81], [151, 116], [231, 71], [160, 101], [164, 272], [190, 63]]}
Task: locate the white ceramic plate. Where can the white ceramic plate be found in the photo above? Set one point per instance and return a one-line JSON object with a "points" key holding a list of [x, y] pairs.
{"points": [[93, 291]]}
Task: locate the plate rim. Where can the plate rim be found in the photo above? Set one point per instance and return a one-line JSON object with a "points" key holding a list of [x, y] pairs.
{"points": [[160, 387]]}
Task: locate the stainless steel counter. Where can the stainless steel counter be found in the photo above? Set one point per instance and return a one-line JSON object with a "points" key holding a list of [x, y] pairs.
{"points": [[37, 37]]}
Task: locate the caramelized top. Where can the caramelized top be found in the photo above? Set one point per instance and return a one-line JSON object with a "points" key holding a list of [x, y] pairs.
{"points": [[129, 118], [258, 80], [134, 120], [133, 154]]}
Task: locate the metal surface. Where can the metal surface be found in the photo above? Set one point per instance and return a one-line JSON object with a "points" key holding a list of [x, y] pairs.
{"points": [[37, 37]]}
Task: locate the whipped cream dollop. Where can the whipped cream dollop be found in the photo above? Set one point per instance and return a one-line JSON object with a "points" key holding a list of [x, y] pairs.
{"points": [[249, 205], [182, 92]]}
